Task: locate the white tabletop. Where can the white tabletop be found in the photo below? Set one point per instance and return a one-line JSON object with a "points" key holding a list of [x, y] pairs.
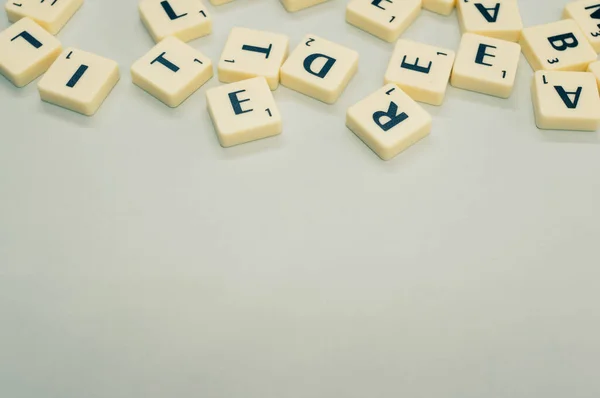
{"points": [[138, 258]]}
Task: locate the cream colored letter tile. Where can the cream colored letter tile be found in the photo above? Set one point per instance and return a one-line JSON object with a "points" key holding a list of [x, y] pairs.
{"points": [[594, 67], [185, 19], [52, 15], [420, 70], [443, 7], [79, 81], [172, 71], [388, 121], [319, 68], [297, 5], [565, 100], [26, 51], [586, 13], [250, 53], [486, 65], [219, 2], [386, 19], [557, 46], [494, 18], [243, 111]]}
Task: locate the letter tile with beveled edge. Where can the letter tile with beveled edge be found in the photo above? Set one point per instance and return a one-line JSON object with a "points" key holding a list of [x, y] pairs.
{"points": [[172, 71], [494, 18], [558, 45], [586, 13], [243, 111], [297, 5], [420, 70], [51, 15], [249, 53], [319, 68], [26, 51], [79, 81], [443, 7], [565, 100], [184, 19], [388, 121], [486, 65], [386, 19], [594, 68]]}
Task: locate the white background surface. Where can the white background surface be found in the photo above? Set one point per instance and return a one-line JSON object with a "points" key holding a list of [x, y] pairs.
{"points": [[138, 258]]}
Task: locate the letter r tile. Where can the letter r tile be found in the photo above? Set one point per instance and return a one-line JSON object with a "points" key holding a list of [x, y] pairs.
{"points": [[388, 121], [558, 45], [319, 68]]}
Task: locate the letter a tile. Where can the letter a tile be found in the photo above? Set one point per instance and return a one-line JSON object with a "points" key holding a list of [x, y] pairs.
{"points": [[586, 13], [243, 111], [51, 15], [26, 51], [79, 81], [184, 19], [249, 53], [565, 100], [486, 65], [386, 19], [557, 46], [172, 71], [319, 68], [494, 18], [388, 121]]}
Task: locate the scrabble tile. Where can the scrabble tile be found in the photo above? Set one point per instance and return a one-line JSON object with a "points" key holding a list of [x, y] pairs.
{"points": [[486, 65], [586, 13], [319, 68], [172, 71], [184, 19], [385, 19], [243, 111], [297, 5], [219, 2], [51, 15], [443, 7], [26, 51], [494, 18], [79, 81], [420, 70], [565, 100], [557, 46], [594, 68], [388, 121], [249, 53]]}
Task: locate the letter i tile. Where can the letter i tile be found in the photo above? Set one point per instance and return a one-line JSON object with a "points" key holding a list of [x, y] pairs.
{"points": [[388, 121], [319, 68], [79, 81]]}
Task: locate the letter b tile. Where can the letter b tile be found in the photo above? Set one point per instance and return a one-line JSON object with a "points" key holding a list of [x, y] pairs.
{"points": [[172, 71], [388, 121], [250, 53], [557, 46], [565, 100], [79, 81], [26, 51], [243, 111], [486, 65], [319, 68], [184, 19]]}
